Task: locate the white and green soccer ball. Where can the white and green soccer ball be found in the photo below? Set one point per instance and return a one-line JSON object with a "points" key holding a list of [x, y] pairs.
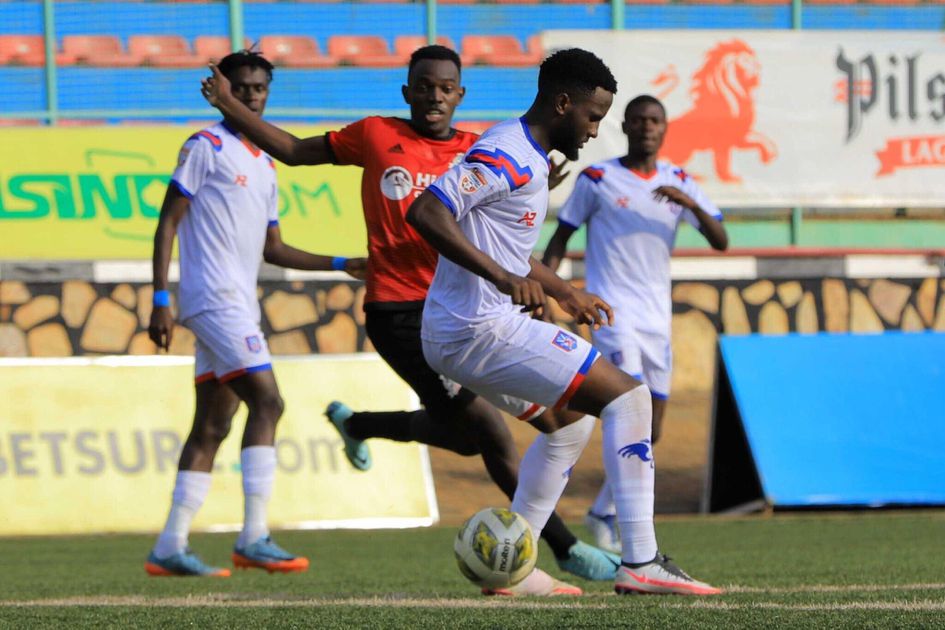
{"points": [[495, 548]]}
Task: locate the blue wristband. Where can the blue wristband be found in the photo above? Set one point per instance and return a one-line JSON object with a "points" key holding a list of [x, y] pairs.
{"points": [[338, 263], [161, 298]]}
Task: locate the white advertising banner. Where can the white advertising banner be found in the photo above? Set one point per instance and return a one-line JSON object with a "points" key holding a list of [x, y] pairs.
{"points": [[784, 118]]}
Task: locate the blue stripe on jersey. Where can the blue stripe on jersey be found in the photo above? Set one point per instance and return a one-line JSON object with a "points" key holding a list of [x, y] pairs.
{"points": [[259, 368], [528, 134], [182, 190], [658, 396], [274, 223], [439, 194], [567, 224], [503, 165], [593, 173], [215, 141]]}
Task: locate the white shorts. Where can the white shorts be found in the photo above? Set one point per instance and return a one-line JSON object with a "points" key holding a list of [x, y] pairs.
{"points": [[229, 344], [647, 357], [520, 365]]}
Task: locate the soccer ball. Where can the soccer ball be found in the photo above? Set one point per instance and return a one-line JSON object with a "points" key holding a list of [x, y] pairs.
{"points": [[495, 548]]}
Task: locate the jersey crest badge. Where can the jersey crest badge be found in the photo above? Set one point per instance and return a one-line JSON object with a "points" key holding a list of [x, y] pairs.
{"points": [[564, 341], [528, 219], [253, 343], [472, 181]]}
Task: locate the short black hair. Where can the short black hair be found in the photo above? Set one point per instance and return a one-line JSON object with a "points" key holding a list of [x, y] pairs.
{"points": [[574, 70], [436, 53], [247, 58], [644, 99]]}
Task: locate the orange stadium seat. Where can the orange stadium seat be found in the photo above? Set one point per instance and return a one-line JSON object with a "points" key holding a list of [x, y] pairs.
{"points": [[96, 50], [496, 50], [22, 50], [294, 51], [404, 45], [165, 51], [362, 50], [215, 47]]}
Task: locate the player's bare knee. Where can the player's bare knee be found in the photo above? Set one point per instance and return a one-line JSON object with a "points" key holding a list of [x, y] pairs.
{"points": [[271, 406]]}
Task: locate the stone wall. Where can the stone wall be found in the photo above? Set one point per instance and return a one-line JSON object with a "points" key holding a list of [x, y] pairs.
{"points": [[82, 318]]}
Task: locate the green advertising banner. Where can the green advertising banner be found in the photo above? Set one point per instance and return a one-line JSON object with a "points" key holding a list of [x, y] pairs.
{"points": [[96, 192]]}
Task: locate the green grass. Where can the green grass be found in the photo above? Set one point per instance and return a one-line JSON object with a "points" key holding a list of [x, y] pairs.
{"points": [[869, 570]]}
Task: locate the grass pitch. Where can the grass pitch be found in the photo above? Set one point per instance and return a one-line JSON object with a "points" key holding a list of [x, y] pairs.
{"points": [[850, 570]]}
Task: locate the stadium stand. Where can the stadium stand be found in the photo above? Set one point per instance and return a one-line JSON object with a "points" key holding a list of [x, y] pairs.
{"points": [[294, 51], [404, 45], [499, 50], [214, 47], [22, 50], [96, 50], [163, 51], [362, 50]]}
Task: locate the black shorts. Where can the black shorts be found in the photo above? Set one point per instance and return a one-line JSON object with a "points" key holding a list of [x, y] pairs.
{"points": [[396, 337]]}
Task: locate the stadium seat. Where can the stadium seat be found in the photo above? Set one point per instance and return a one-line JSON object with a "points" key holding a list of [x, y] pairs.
{"points": [[96, 50], [497, 50], [164, 51], [404, 45], [22, 50], [215, 47], [362, 50], [294, 51]]}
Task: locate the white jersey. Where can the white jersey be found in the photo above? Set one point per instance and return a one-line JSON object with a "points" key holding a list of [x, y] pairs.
{"points": [[499, 196], [233, 200], [630, 236]]}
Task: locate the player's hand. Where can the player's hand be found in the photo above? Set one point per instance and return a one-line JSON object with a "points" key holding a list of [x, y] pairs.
{"points": [[356, 268], [674, 195], [161, 328], [524, 291], [587, 308], [215, 86], [557, 174]]}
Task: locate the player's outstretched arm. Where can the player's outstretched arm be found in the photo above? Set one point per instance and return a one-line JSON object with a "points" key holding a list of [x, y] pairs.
{"points": [[277, 252], [585, 307], [173, 209], [277, 142], [433, 220]]}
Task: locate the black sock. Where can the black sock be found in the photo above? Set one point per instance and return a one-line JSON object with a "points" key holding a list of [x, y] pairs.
{"points": [[558, 536], [392, 425]]}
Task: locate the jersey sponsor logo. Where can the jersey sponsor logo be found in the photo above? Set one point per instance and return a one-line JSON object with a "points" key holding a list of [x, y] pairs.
{"points": [[503, 165], [254, 344], [564, 341], [396, 183], [215, 141], [681, 174], [397, 148], [240, 180], [723, 99], [594, 174], [528, 219], [641, 449], [472, 181]]}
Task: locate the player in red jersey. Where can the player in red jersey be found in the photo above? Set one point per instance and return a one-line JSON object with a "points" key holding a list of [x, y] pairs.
{"points": [[400, 159]]}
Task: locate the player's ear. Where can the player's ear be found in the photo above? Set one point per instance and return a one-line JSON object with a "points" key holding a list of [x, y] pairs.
{"points": [[462, 93], [562, 103], [404, 89]]}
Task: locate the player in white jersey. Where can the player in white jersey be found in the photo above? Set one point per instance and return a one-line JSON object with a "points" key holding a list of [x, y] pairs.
{"points": [[633, 206], [484, 216], [222, 203]]}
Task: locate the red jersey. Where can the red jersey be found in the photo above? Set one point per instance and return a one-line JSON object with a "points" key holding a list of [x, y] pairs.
{"points": [[398, 165]]}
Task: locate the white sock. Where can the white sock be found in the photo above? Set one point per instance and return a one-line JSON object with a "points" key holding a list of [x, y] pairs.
{"points": [[190, 491], [259, 470], [628, 460], [545, 470], [604, 503]]}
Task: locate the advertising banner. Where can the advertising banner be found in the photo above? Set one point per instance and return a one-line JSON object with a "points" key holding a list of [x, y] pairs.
{"points": [[91, 445], [784, 118], [96, 193]]}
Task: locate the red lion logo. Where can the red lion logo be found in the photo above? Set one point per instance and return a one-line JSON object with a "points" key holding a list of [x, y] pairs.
{"points": [[723, 110]]}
